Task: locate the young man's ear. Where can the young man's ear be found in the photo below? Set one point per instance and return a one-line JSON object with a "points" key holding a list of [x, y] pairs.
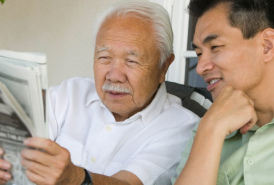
{"points": [[165, 67], [268, 44]]}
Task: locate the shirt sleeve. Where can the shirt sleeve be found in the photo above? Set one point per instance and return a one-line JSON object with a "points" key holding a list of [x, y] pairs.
{"points": [[58, 101], [53, 129], [185, 154]]}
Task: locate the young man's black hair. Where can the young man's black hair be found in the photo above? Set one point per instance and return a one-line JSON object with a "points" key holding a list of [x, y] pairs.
{"points": [[250, 16]]}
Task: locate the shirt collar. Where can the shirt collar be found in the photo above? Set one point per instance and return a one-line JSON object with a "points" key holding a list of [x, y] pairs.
{"points": [[91, 97], [154, 108], [147, 114], [265, 127], [255, 128]]}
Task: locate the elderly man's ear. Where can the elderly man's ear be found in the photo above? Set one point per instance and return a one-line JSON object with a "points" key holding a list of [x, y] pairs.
{"points": [[165, 67], [268, 44]]}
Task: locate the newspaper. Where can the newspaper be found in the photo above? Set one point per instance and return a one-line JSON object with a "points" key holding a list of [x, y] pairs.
{"points": [[23, 84]]}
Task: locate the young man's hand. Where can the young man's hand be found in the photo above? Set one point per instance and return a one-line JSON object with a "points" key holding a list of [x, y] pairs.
{"points": [[232, 110]]}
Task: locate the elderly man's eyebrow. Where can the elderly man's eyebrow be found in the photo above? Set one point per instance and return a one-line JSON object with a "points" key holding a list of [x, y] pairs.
{"points": [[102, 48], [135, 53], [210, 38]]}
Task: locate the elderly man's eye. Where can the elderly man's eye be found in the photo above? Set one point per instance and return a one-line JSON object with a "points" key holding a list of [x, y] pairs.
{"points": [[131, 62], [103, 57], [104, 60]]}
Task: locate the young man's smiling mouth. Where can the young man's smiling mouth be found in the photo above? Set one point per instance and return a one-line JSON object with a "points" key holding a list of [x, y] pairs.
{"points": [[212, 83]]}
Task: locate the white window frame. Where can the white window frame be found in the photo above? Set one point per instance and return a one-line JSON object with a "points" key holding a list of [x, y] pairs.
{"points": [[180, 24]]}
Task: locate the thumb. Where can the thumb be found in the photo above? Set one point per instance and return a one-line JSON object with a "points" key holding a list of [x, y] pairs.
{"points": [[249, 125]]}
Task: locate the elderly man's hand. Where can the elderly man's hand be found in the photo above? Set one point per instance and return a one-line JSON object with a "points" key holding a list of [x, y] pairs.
{"points": [[4, 166], [51, 164]]}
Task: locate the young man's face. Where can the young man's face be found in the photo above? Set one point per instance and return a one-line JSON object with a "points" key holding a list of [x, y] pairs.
{"points": [[225, 57]]}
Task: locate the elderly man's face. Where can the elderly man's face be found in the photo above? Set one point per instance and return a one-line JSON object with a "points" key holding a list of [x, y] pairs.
{"points": [[126, 63], [225, 57]]}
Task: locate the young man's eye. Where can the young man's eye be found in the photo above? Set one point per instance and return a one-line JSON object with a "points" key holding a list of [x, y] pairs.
{"points": [[214, 47], [198, 54]]}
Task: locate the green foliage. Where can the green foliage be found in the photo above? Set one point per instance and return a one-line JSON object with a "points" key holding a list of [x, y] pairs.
{"points": [[2, 1]]}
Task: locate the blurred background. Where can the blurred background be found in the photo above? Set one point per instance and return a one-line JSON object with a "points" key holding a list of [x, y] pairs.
{"points": [[62, 29]]}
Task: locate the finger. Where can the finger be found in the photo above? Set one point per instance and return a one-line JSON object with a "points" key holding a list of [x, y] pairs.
{"points": [[244, 129], [1, 151], [3, 181], [249, 125], [5, 165], [35, 178], [251, 102], [5, 175], [37, 156], [37, 168], [43, 144]]}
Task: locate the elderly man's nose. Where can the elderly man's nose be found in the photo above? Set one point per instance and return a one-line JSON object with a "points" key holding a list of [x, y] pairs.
{"points": [[116, 73]]}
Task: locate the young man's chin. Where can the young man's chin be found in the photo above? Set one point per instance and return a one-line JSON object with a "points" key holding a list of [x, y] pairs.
{"points": [[215, 93]]}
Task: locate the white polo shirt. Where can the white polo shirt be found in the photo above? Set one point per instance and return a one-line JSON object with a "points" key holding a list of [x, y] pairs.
{"points": [[148, 144]]}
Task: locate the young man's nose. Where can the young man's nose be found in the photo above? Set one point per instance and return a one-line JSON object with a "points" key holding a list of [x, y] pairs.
{"points": [[204, 64]]}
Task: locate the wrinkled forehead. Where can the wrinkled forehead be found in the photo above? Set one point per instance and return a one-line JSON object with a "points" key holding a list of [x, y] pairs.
{"points": [[134, 51], [125, 24], [131, 33]]}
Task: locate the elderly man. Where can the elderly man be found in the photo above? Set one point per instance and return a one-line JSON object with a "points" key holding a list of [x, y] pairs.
{"points": [[234, 42], [122, 126]]}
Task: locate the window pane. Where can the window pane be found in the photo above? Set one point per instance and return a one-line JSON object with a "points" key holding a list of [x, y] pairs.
{"points": [[191, 30], [192, 78]]}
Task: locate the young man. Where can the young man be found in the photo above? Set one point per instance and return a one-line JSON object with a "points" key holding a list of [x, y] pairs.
{"points": [[233, 142]]}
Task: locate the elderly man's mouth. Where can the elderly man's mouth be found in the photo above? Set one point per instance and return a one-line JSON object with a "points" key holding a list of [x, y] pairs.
{"points": [[116, 95]]}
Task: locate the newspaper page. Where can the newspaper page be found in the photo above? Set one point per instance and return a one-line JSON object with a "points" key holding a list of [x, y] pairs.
{"points": [[24, 82], [13, 131]]}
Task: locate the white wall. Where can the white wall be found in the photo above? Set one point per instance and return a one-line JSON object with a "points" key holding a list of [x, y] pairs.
{"points": [[60, 28]]}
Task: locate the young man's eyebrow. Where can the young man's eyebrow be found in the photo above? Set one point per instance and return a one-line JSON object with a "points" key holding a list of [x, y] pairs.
{"points": [[206, 40], [210, 38], [194, 46]]}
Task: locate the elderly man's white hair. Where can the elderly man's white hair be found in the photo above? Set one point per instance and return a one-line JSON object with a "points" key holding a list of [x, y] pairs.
{"points": [[146, 11]]}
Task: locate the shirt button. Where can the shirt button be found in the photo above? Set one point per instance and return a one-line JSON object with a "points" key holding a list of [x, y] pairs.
{"points": [[108, 128], [93, 159], [250, 162]]}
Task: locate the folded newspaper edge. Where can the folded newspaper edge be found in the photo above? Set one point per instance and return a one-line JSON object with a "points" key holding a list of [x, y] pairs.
{"points": [[10, 101], [23, 84], [31, 57]]}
